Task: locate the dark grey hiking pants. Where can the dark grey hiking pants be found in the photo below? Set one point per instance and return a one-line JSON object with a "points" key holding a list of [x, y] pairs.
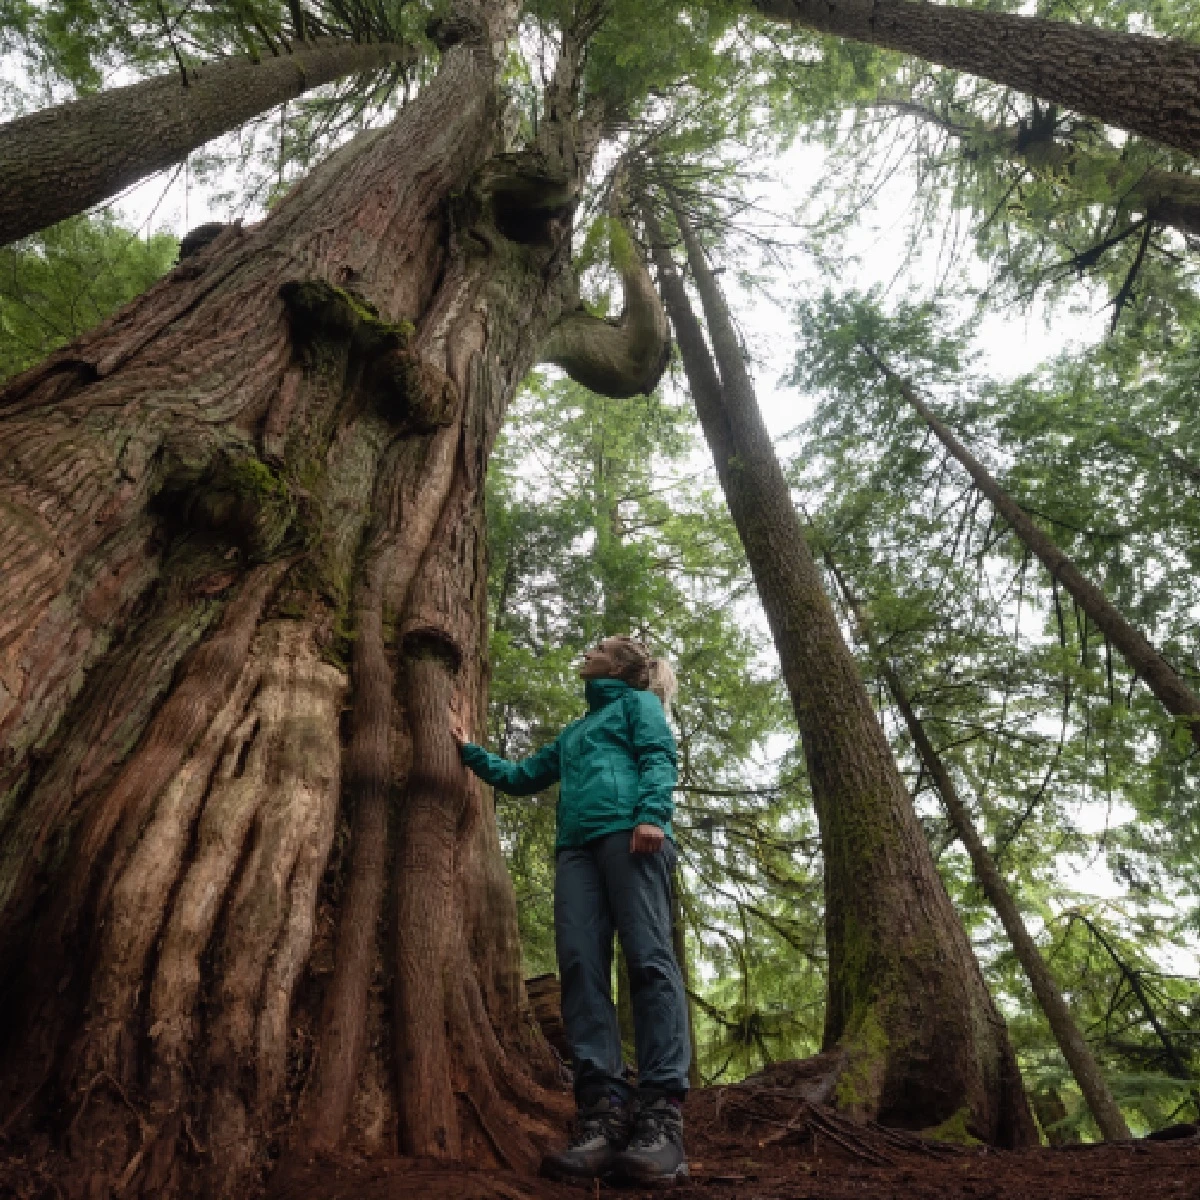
{"points": [[598, 888]]}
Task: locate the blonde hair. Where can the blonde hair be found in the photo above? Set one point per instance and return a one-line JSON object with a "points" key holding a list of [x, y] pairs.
{"points": [[640, 669]]}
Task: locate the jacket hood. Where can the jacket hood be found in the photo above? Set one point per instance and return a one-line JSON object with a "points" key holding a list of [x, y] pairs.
{"points": [[602, 692]]}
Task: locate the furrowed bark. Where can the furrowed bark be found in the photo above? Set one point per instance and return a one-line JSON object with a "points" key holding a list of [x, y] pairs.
{"points": [[1147, 85], [1160, 677], [260, 843], [219, 441], [62, 160], [433, 806], [921, 1043], [1075, 1049], [403, 524]]}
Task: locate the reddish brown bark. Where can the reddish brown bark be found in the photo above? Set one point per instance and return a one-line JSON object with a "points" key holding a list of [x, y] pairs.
{"points": [[284, 442], [402, 525], [916, 1038], [1147, 85], [62, 160]]}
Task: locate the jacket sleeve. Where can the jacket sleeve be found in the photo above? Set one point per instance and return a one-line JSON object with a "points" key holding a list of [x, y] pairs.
{"points": [[522, 778], [654, 753]]}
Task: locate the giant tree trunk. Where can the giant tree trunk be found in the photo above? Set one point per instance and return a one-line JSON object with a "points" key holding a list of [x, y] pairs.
{"points": [[919, 1041], [1075, 1049], [241, 527], [1147, 85], [1161, 678], [62, 160]]}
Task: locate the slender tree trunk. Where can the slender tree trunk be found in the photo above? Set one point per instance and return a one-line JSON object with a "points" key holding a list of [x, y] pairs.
{"points": [[920, 1043], [60, 161], [1161, 678], [1176, 1064], [255, 496], [1167, 197], [1147, 85], [1063, 1025]]}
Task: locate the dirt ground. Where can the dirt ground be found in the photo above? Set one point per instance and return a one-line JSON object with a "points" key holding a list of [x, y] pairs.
{"points": [[766, 1143]]}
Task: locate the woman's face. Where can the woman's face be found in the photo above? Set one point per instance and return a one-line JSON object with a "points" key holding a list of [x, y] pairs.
{"points": [[597, 663]]}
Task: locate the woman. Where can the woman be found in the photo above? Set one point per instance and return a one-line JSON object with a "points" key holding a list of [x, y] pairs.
{"points": [[613, 861]]}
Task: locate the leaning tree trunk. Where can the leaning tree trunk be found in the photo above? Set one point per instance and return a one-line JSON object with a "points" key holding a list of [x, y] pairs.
{"points": [[1075, 1049], [240, 518], [1161, 678], [62, 160], [1147, 85], [917, 1040]]}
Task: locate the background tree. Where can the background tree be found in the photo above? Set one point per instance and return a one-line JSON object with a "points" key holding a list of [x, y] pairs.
{"points": [[1109, 74], [1084, 1067], [62, 283], [1038, 720], [889, 1055], [212, 69]]}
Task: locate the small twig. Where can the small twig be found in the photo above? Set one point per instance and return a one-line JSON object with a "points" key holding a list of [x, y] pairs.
{"points": [[1124, 298]]}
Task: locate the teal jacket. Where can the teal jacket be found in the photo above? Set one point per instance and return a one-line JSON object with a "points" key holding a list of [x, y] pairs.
{"points": [[616, 766]]}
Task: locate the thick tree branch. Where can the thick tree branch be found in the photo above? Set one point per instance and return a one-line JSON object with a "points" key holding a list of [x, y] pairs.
{"points": [[619, 358], [1147, 85]]}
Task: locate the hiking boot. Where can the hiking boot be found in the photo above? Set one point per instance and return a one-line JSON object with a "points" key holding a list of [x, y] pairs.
{"points": [[601, 1131], [655, 1152]]}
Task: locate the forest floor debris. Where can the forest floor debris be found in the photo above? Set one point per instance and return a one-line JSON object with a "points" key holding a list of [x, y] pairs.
{"points": [[766, 1142]]}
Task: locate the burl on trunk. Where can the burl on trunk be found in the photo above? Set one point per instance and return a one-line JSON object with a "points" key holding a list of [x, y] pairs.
{"points": [[242, 539]]}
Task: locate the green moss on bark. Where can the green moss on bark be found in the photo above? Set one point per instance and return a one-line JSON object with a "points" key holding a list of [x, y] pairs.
{"points": [[956, 1129], [861, 1080], [321, 312]]}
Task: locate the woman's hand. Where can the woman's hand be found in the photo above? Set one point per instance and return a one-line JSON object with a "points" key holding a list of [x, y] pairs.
{"points": [[646, 839], [457, 732]]}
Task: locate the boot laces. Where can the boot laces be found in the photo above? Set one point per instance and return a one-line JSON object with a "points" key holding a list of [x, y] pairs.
{"points": [[589, 1126], [653, 1126]]}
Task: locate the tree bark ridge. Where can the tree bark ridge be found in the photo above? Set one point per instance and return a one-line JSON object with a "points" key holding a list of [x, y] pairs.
{"points": [[1147, 85], [62, 160]]}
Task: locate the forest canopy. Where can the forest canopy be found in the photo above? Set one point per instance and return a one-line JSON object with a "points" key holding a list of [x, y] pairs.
{"points": [[351, 383]]}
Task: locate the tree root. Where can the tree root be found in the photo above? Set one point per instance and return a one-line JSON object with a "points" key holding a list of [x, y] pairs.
{"points": [[793, 1113]]}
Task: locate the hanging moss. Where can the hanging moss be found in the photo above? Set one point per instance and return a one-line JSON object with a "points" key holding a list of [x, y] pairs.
{"points": [[330, 323], [234, 496], [253, 501]]}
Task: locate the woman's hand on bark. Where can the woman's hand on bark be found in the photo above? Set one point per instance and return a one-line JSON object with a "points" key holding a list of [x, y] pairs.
{"points": [[646, 839], [457, 732]]}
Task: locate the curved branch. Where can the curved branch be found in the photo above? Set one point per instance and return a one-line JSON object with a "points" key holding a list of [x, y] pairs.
{"points": [[619, 358]]}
